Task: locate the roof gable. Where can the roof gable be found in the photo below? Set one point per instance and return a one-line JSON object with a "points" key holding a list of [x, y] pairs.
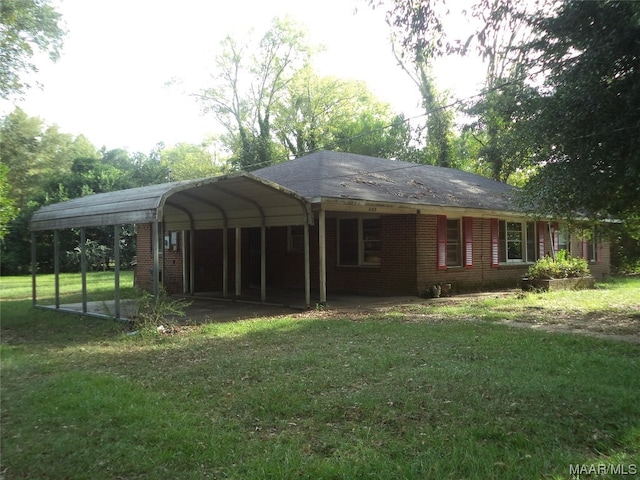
{"points": [[328, 174]]}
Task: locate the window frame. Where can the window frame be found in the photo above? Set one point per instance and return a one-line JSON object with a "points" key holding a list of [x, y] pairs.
{"points": [[454, 244], [363, 244], [528, 246], [295, 238]]}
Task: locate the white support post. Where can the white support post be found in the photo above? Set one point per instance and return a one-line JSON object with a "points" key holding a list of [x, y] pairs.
{"points": [[156, 259], [322, 254], [83, 267], [225, 262], [116, 268], [183, 251], [238, 261], [56, 266], [192, 262], [307, 268], [34, 297], [263, 264]]}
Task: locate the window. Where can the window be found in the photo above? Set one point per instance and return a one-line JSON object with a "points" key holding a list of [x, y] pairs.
{"points": [[454, 257], [295, 238], [514, 242], [589, 247], [359, 241], [455, 242]]}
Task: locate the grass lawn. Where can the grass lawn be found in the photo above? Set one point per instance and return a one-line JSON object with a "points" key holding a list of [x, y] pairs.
{"points": [[423, 391]]}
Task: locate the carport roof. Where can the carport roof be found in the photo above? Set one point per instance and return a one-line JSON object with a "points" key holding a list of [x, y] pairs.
{"points": [[236, 200]]}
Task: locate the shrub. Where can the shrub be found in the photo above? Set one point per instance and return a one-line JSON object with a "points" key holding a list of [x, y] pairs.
{"points": [[564, 266], [158, 315]]}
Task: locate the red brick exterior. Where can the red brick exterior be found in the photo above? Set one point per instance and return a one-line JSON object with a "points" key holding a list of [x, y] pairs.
{"points": [[409, 260]]}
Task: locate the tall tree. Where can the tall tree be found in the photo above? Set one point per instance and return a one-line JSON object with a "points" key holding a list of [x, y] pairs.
{"points": [[418, 37], [587, 120], [27, 28], [330, 113], [186, 161], [249, 80]]}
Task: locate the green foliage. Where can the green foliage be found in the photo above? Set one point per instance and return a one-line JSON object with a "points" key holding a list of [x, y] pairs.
{"points": [[27, 28], [587, 120], [186, 161], [159, 315], [563, 266], [245, 110], [333, 114], [8, 211]]}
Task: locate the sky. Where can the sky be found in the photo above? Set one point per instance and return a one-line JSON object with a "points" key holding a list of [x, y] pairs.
{"points": [[110, 83]]}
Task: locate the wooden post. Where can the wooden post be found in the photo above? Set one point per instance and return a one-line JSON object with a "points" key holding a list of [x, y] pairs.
{"points": [[322, 254]]}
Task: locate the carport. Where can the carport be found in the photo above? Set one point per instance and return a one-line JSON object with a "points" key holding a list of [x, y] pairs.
{"points": [[234, 201]]}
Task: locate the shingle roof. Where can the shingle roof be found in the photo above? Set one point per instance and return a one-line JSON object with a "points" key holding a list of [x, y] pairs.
{"points": [[345, 175]]}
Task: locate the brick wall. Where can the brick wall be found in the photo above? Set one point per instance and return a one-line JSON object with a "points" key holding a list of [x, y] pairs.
{"points": [[170, 262], [408, 260]]}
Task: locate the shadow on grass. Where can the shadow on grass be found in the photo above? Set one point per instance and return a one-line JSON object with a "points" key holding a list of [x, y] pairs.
{"points": [[295, 397]]}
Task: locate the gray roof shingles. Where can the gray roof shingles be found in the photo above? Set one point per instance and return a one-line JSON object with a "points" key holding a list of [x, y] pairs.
{"points": [[345, 175]]}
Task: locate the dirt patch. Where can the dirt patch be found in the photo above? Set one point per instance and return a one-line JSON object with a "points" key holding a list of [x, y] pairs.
{"points": [[614, 324]]}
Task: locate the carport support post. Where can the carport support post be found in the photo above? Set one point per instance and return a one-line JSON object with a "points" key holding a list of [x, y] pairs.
{"points": [[238, 261], [156, 259], [322, 254], [225, 261], [116, 266], [263, 264], [56, 266], [307, 269], [192, 262], [83, 267], [34, 299]]}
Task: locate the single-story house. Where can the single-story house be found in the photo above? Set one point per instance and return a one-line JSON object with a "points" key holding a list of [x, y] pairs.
{"points": [[329, 222]]}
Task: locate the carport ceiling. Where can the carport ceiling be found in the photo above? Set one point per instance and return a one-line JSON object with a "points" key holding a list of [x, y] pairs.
{"points": [[235, 200]]}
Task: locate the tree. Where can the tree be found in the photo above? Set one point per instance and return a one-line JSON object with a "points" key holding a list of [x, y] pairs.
{"points": [[27, 28], [186, 161], [249, 81], [417, 38], [586, 124], [8, 211], [334, 114], [35, 153]]}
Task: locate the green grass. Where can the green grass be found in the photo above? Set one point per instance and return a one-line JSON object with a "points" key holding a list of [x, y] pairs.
{"points": [[414, 392]]}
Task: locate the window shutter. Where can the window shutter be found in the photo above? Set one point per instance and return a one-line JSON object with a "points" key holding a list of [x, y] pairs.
{"points": [[541, 230], [556, 238], [495, 235], [468, 241], [442, 241], [585, 249]]}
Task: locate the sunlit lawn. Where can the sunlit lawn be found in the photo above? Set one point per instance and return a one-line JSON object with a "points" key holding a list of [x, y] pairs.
{"points": [[424, 391]]}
